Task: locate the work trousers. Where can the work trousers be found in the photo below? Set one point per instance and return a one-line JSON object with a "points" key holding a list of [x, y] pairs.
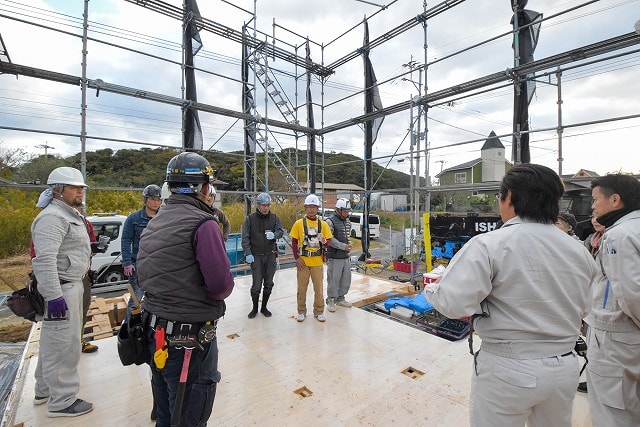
{"points": [[315, 273], [263, 269], [338, 277], [511, 392], [57, 368], [200, 390], [613, 377]]}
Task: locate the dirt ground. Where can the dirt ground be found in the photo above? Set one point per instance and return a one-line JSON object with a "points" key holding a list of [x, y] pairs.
{"points": [[14, 271]]}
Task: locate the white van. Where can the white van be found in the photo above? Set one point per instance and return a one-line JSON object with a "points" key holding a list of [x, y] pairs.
{"points": [[356, 225], [108, 266]]}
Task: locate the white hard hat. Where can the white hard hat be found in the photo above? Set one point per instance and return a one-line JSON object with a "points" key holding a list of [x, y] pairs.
{"points": [[66, 175], [312, 199], [343, 204]]}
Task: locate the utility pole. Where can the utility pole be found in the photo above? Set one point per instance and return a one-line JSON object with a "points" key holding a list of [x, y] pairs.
{"points": [[46, 147]]}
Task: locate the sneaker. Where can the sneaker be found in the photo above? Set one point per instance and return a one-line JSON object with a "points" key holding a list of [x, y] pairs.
{"points": [[79, 407], [301, 317], [87, 347], [331, 304], [39, 400], [320, 317], [343, 303], [582, 387]]}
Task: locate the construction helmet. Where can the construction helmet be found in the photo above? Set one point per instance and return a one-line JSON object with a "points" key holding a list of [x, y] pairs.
{"points": [[343, 204], [66, 175], [263, 199], [189, 168], [152, 190], [312, 199]]}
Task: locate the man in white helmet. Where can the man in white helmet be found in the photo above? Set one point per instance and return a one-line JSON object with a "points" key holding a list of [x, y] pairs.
{"points": [[260, 231], [338, 262], [309, 235], [62, 258]]}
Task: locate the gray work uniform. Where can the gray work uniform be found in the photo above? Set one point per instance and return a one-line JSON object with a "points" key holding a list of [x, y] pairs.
{"points": [[528, 286], [338, 261], [63, 253], [613, 372]]}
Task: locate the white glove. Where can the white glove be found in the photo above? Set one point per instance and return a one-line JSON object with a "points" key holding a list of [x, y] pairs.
{"points": [[269, 235], [249, 258]]}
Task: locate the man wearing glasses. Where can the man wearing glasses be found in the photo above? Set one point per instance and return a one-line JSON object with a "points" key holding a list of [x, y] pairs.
{"points": [[526, 310]]}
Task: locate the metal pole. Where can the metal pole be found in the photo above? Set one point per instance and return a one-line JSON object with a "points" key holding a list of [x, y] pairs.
{"points": [[559, 131], [83, 106], [425, 109], [416, 185], [517, 159], [411, 186]]}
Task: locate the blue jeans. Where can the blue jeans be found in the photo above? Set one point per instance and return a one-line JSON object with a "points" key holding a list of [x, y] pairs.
{"points": [[133, 281], [200, 390]]}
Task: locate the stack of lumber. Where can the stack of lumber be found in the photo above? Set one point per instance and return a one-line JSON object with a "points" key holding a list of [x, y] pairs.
{"points": [[104, 317]]}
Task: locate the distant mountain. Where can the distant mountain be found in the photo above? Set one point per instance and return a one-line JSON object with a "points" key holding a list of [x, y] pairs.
{"points": [[138, 168]]}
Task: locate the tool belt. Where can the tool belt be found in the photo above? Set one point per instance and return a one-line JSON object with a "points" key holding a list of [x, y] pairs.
{"points": [[183, 334], [309, 253]]}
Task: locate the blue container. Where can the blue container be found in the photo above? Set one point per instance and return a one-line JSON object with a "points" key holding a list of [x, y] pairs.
{"points": [[234, 249]]}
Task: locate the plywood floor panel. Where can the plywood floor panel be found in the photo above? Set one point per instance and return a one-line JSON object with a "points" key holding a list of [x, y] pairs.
{"points": [[352, 365]]}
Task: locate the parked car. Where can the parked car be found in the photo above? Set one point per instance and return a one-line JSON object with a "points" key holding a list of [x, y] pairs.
{"points": [[108, 266], [356, 225]]}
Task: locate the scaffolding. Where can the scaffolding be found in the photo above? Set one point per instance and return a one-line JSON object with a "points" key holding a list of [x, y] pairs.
{"points": [[270, 113]]}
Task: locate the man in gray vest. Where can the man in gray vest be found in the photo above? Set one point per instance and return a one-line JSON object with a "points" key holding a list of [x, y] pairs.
{"points": [[338, 262], [185, 273], [259, 233]]}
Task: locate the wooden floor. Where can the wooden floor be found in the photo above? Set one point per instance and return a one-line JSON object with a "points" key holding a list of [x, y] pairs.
{"points": [[355, 369]]}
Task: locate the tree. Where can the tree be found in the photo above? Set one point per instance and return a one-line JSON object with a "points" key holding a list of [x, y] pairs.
{"points": [[10, 160]]}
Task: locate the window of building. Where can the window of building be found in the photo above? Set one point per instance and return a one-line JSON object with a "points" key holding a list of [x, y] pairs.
{"points": [[461, 178]]}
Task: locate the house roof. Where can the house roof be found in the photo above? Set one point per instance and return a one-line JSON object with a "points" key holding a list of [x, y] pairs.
{"points": [[492, 142], [465, 165]]}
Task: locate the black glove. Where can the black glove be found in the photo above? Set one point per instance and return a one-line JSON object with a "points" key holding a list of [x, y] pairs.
{"points": [[96, 249]]}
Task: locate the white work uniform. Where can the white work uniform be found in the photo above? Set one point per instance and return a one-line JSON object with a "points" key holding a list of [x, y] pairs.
{"points": [[63, 252], [528, 285], [613, 371]]}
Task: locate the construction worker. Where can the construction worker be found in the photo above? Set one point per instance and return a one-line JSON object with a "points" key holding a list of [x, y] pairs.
{"points": [[338, 262], [62, 258], [260, 231], [185, 273], [309, 235], [613, 340], [527, 311], [132, 229]]}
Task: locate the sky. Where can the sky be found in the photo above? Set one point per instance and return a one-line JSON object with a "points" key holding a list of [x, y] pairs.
{"points": [[597, 92]]}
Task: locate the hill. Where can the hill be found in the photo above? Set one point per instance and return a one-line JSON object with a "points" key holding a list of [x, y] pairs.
{"points": [[138, 168]]}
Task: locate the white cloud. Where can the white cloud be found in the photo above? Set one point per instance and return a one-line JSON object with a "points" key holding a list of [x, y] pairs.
{"points": [[600, 91]]}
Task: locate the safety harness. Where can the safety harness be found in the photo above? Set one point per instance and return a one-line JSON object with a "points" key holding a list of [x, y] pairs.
{"points": [[304, 251]]}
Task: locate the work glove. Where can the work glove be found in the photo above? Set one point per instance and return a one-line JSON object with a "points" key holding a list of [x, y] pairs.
{"points": [[57, 308], [249, 258], [96, 249], [269, 235], [128, 270]]}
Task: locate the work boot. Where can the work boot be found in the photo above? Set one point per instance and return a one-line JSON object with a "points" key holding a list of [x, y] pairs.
{"points": [[265, 299], [253, 313], [87, 347], [331, 305]]}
